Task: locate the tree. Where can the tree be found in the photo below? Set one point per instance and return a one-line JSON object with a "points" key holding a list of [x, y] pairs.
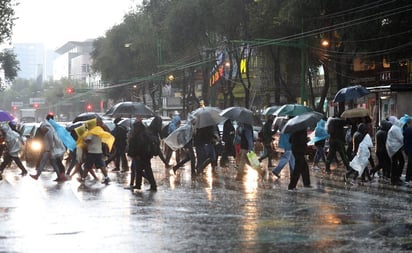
{"points": [[8, 61], [9, 64], [7, 19]]}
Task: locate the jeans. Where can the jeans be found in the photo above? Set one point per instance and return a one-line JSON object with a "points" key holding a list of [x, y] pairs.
{"points": [[286, 157]]}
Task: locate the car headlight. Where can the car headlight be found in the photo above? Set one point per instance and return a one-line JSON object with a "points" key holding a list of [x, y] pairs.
{"points": [[36, 145]]}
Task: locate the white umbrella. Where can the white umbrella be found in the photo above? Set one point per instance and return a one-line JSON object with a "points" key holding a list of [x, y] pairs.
{"points": [[179, 137]]}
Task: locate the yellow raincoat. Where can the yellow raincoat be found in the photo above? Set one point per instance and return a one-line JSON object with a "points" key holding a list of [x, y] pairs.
{"points": [[96, 130]]}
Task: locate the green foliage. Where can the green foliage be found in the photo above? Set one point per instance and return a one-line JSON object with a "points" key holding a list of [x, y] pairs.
{"points": [[9, 64], [185, 33], [6, 19]]}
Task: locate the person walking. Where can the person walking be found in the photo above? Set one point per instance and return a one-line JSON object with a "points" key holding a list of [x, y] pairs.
{"points": [[246, 145], [155, 128], [286, 157], [298, 141], [335, 128], [94, 139], [205, 150], [358, 136], [319, 141], [120, 142], [267, 139], [174, 124], [13, 144], [53, 150], [394, 145], [384, 161], [407, 140], [228, 136], [141, 156], [362, 147]]}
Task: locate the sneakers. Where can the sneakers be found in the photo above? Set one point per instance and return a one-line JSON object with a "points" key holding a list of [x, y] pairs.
{"points": [[106, 180], [315, 168], [175, 169], [276, 174], [35, 177]]}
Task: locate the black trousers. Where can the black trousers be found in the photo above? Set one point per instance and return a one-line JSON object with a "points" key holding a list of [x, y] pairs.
{"points": [[397, 166], [301, 168], [7, 159]]}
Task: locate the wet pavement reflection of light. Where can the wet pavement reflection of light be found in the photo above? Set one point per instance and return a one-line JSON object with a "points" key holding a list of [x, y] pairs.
{"points": [[212, 213]]}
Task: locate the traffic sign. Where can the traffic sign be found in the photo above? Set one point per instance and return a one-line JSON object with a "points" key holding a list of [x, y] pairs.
{"points": [[38, 101], [17, 103]]}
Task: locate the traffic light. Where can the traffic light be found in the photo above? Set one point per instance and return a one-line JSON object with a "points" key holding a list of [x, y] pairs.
{"points": [[69, 90], [89, 107], [14, 108], [36, 105]]}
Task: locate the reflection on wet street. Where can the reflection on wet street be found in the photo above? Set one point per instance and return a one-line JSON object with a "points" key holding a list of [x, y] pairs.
{"points": [[207, 214]]}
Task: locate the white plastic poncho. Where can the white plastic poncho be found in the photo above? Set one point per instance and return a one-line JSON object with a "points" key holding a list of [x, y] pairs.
{"points": [[12, 139], [361, 160], [394, 141]]}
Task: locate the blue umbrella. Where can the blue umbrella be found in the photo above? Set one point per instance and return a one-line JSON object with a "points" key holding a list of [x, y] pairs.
{"points": [[350, 93], [5, 116]]}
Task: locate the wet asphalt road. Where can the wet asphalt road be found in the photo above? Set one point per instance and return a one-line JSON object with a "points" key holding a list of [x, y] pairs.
{"points": [[208, 214]]}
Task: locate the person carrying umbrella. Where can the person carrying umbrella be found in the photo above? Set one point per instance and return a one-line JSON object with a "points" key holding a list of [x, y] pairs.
{"points": [[227, 137], [319, 141], [138, 151], [246, 145], [298, 141], [13, 144], [267, 139], [173, 125], [205, 150], [335, 127]]}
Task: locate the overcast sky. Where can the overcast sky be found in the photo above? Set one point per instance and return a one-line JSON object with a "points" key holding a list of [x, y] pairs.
{"points": [[54, 22]]}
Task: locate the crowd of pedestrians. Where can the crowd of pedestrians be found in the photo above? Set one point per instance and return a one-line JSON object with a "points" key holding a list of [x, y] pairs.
{"points": [[92, 148]]}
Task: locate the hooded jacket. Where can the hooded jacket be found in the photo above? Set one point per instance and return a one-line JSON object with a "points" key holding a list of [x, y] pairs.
{"points": [[12, 139], [381, 136], [394, 141], [361, 160]]}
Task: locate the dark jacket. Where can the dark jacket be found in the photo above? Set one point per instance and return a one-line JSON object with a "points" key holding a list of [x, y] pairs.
{"points": [[336, 129], [246, 137], [120, 136], [138, 142], [381, 136], [267, 132], [358, 136], [299, 140], [228, 132], [204, 135], [407, 140]]}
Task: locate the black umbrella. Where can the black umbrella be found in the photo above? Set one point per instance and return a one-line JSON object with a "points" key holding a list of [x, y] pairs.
{"points": [[130, 109], [302, 122], [350, 93], [86, 116], [240, 114]]}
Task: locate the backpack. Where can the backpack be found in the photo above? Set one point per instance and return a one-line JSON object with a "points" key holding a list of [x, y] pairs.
{"points": [[165, 131], [152, 147]]}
